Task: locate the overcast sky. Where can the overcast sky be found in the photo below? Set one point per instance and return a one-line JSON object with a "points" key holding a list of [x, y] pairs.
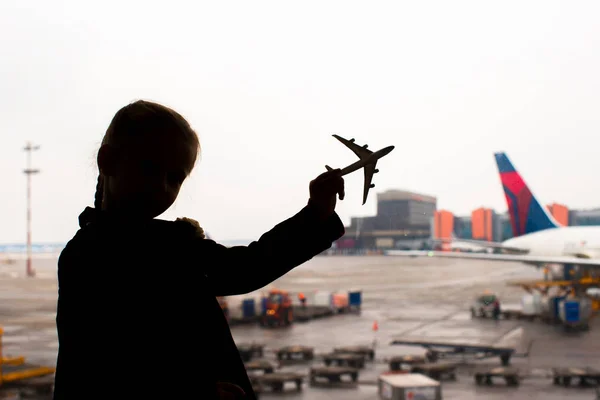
{"points": [[266, 83]]}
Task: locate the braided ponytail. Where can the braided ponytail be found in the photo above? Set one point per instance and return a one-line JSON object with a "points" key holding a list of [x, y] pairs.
{"points": [[99, 193]]}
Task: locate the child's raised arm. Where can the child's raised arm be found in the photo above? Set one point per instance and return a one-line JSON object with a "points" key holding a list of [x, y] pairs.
{"points": [[243, 269]]}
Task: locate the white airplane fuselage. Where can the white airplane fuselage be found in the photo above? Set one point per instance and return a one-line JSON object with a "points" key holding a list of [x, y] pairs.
{"points": [[576, 241]]}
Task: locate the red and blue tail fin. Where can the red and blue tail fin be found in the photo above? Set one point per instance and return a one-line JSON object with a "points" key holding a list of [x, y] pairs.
{"points": [[527, 215]]}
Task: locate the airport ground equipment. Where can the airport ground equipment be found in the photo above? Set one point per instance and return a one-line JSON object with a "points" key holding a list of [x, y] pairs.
{"points": [[484, 305], [304, 314], [408, 386], [514, 312], [277, 380], [250, 350], [345, 359], [291, 352], [459, 349], [355, 300], [586, 376], [366, 351], [575, 313], [278, 309], [401, 363], [332, 374], [16, 373], [486, 375], [437, 371], [264, 366], [580, 285], [256, 385]]}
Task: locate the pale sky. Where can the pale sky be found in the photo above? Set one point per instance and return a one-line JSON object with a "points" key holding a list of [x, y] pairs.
{"points": [[266, 83]]}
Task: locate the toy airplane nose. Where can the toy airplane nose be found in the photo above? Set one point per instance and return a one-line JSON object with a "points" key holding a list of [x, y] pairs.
{"points": [[387, 150]]}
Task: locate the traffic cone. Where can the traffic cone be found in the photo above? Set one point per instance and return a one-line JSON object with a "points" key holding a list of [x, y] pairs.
{"points": [[375, 326]]}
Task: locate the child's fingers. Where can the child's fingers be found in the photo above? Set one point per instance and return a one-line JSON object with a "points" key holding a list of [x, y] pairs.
{"points": [[333, 183], [328, 174]]}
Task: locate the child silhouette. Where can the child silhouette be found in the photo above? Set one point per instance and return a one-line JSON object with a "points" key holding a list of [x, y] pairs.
{"points": [[137, 310]]}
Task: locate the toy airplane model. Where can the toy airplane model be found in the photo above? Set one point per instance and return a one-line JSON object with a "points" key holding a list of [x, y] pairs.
{"points": [[368, 160]]}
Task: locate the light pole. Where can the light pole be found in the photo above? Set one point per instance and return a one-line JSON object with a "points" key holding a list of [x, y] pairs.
{"points": [[28, 172]]}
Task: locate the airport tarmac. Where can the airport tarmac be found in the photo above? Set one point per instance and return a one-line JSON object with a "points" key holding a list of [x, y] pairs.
{"points": [[408, 297]]}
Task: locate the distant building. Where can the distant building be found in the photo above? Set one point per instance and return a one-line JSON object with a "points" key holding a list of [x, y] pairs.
{"points": [[403, 220], [408, 220], [482, 224], [488, 225], [501, 229], [506, 229], [463, 228], [560, 213], [584, 217], [443, 224], [443, 227]]}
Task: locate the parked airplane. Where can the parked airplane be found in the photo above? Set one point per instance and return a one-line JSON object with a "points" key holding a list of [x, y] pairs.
{"points": [[368, 161], [538, 238]]}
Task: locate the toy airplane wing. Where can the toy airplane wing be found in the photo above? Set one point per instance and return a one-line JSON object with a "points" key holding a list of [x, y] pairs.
{"points": [[369, 171], [360, 151]]}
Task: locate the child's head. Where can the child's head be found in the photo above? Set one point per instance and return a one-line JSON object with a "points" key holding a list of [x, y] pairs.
{"points": [[146, 154]]}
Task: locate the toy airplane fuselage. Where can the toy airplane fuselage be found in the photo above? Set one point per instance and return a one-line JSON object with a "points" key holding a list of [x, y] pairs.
{"points": [[368, 161]]}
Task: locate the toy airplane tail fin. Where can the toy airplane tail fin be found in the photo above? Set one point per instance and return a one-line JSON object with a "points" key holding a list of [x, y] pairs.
{"points": [[527, 215]]}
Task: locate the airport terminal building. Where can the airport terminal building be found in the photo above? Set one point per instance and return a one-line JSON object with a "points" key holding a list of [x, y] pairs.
{"points": [[409, 220], [403, 220]]}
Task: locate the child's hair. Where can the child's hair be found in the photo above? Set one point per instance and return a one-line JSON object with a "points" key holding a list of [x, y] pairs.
{"points": [[139, 120]]}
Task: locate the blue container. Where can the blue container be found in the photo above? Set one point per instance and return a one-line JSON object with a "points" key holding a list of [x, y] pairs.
{"points": [[572, 311], [248, 308], [354, 299]]}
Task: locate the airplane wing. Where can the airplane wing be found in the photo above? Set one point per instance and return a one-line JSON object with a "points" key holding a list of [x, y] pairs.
{"points": [[360, 151], [528, 259], [369, 171]]}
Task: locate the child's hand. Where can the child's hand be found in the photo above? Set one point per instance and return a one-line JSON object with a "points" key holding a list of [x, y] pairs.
{"points": [[323, 191], [194, 224], [229, 391]]}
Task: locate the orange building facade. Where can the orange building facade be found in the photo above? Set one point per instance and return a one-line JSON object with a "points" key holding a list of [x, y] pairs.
{"points": [[560, 213], [443, 226], [482, 224]]}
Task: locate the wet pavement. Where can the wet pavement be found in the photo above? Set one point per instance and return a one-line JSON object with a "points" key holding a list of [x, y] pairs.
{"points": [[408, 298]]}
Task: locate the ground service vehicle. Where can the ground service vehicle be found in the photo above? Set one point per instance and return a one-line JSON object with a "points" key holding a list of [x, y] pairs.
{"points": [[277, 309], [484, 305]]}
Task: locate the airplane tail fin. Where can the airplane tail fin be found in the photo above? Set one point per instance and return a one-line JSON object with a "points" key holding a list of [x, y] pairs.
{"points": [[527, 215]]}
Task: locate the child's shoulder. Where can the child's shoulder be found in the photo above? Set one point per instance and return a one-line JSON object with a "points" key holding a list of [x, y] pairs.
{"points": [[106, 235], [190, 225], [95, 226]]}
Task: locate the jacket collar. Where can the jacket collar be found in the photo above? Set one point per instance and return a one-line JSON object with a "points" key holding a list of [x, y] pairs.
{"points": [[93, 215]]}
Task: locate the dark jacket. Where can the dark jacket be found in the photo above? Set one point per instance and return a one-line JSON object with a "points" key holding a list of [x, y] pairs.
{"points": [[137, 310]]}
